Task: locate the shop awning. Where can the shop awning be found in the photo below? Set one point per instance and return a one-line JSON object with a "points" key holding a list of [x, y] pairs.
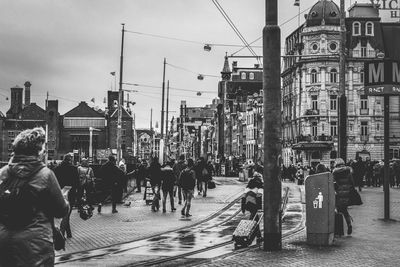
{"points": [[313, 146]]}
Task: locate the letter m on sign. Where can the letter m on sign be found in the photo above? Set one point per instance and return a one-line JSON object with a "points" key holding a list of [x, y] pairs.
{"points": [[376, 73]]}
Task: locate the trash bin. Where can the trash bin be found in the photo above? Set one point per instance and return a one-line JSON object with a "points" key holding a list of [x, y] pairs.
{"points": [[320, 209], [241, 176], [246, 174]]}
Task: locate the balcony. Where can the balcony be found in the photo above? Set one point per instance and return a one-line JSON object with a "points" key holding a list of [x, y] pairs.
{"points": [[364, 138], [364, 111], [311, 112], [309, 138]]}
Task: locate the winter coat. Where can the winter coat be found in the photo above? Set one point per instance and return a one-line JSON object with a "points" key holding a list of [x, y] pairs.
{"points": [[168, 179], [67, 175], [343, 179], [200, 166], [32, 245], [187, 179], [113, 179], [155, 173]]}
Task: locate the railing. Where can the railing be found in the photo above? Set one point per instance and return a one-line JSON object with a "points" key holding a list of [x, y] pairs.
{"points": [[364, 111], [309, 138], [364, 138], [357, 53], [311, 112]]}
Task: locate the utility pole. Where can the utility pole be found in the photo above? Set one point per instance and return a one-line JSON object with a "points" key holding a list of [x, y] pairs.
{"points": [[120, 97], [272, 128], [162, 100], [166, 116], [342, 111]]}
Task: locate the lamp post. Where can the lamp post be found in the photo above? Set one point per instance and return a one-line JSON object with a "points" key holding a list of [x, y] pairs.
{"points": [[91, 129]]}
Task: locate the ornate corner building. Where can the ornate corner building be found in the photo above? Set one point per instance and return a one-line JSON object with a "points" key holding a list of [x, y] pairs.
{"points": [[310, 84]]}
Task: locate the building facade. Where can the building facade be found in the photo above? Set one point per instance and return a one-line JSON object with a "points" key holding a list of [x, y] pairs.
{"points": [[310, 85]]}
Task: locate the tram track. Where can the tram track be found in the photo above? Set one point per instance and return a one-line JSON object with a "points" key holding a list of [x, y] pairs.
{"points": [[224, 220]]}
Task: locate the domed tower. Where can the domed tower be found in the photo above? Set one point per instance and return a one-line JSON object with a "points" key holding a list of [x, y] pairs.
{"points": [[324, 12]]}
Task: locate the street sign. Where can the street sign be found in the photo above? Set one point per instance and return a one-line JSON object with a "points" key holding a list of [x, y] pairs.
{"points": [[382, 77], [194, 124]]}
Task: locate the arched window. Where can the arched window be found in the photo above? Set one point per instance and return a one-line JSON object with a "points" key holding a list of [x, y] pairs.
{"points": [[314, 76], [356, 28], [362, 76], [333, 76], [369, 28], [243, 76]]}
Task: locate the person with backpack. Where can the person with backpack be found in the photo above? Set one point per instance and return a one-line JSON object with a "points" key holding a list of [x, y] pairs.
{"points": [[67, 175], [202, 176], [86, 181], [30, 199], [187, 181], [155, 181]]}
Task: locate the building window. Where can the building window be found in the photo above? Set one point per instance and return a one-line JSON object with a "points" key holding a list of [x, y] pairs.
{"points": [[378, 127], [364, 101], [314, 129], [369, 29], [314, 102], [251, 75], [314, 76], [356, 28], [364, 131], [11, 134], [363, 51], [333, 128], [362, 76], [123, 132], [333, 76], [243, 76], [333, 102], [333, 46]]}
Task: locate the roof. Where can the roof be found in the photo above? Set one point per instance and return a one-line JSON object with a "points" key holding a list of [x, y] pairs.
{"points": [[142, 131], [324, 12], [83, 110], [33, 112], [391, 37]]}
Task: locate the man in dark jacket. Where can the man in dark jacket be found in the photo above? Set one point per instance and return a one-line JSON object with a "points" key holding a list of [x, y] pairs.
{"points": [[343, 179], [167, 185], [178, 168], [113, 179], [358, 172], [187, 181], [67, 175], [141, 175]]}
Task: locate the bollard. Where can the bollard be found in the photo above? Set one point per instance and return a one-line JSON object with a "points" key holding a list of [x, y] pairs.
{"points": [[320, 209]]}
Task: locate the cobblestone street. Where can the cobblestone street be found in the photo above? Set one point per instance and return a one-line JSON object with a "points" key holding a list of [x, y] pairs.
{"points": [[374, 242]]}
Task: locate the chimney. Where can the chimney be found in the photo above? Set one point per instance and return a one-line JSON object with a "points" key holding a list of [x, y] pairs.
{"points": [[27, 93], [16, 101]]}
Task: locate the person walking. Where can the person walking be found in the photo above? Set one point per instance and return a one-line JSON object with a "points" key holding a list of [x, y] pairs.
{"points": [[141, 175], [113, 178], [155, 181], [67, 175], [358, 172], [86, 182], [167, 185], [187, 181], [178, 168], [26, 235], [202, 176], [343, 179]]}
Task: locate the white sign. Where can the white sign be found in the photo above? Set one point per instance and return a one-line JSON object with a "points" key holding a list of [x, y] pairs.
{"points": [[195, 124], [318, 201]]}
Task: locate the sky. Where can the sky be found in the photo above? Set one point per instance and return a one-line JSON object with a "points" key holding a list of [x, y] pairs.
{"points": [[69, 48]]}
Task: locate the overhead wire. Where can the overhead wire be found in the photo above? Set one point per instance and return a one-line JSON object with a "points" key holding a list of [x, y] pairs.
{"points": [[173, 88], [283, 23], [226, 17], [187, 70]]}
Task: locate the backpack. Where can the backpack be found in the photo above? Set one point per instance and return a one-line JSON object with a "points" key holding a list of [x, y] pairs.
{"points": [[186, 180], [84, 177], [17, 202]]}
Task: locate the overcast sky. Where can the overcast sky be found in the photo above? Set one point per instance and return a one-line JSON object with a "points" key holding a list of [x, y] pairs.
{"points": [[69, 47]]}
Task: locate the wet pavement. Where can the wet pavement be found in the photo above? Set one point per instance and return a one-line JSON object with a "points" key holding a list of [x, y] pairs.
{"points": [[208, 239]]}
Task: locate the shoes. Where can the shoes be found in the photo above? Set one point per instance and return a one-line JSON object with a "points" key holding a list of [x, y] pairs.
{"points": [[349, 230], [69, 236], [188, 215], [164, 211], [114, 211], [180, 203], [99, 208], [183, 212], [138, 191], [173, 209], [204, 195]]}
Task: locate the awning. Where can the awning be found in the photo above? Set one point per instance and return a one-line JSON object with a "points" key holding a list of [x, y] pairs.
{"points": [[313, 146]]}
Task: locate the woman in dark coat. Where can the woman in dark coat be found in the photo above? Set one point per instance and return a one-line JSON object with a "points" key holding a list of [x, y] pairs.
{"points": [[343, 178], [31, 244]]}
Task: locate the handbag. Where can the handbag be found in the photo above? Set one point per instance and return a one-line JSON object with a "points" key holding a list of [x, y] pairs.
{"points": [[211, 184], [58, 238], [355, 198]]}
